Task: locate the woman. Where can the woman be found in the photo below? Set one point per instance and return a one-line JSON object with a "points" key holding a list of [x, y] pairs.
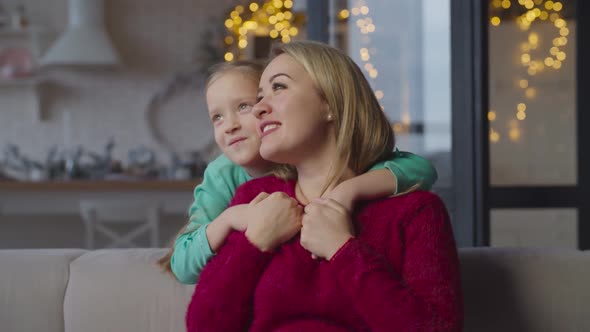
{"points": [[389, 265]]}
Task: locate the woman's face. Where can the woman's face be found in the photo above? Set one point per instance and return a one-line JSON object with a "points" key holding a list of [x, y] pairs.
{"points": [[229, 100], [293, 119]]}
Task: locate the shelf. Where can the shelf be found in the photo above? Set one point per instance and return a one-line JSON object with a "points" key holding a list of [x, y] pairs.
{"points": [[21, 82], [29, 32], [99, 186]]}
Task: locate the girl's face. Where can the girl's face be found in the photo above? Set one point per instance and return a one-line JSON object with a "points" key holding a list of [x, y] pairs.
{"points": [[294, 120], [229, 100]]}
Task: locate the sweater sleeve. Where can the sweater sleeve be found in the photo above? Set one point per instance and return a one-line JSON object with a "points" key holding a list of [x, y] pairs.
{"points": [[211, 197], [223, 297], [425, 295], [409, 170]]}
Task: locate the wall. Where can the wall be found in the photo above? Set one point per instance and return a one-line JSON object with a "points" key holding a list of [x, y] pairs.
{"points": [[155, 39]]}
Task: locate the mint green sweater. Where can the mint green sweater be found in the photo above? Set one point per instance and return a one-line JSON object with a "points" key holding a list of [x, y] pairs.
{"points": [[222, 177]]}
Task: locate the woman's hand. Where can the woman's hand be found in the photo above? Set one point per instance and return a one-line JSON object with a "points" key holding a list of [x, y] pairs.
{"points": [[327, 226], [273, 220]]}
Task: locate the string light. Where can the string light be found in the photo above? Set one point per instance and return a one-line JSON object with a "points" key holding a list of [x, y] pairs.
{"points": [[366, 26], [535, 10], [272, 18]]}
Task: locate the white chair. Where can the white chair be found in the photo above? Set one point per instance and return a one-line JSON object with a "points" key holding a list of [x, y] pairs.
{"points": [[100, 216]]}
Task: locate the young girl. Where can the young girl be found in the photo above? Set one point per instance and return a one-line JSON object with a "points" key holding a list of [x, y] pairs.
{"points": [[232, 90]]}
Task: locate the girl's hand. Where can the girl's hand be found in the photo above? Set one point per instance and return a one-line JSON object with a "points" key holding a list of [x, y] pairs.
{"points": [[327, 226], [343, 194], [274, 219]]}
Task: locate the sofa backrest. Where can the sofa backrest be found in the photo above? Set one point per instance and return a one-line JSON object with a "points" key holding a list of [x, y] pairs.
{"points": [[122, 290], [526, 289], [32, 288]]}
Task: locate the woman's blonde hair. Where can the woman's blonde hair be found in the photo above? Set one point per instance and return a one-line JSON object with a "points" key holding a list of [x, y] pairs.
{"points": [[250, 69], [363, 133]]}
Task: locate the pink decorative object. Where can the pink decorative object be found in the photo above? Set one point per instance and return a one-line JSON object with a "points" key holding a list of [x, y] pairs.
{"points": [[15, 63]]}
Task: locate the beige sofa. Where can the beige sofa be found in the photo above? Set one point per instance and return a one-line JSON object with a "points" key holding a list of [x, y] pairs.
{"points": [[122, 290]]}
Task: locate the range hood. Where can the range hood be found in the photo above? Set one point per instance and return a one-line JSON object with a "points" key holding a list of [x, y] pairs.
{"points": [[85, 41]]}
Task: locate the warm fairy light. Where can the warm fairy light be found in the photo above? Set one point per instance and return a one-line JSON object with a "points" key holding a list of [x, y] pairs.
{"points": [[530, 93], [533, 38], [544, 15], [494, 136], [532, 71], [564, 32], [549, 5], [491, 116], [273, 16], [355, 11], [364, 10], [379, 94], [251, 25], [514, 133], [343, 14], [525, 58], [559, 23], [535, 9]]}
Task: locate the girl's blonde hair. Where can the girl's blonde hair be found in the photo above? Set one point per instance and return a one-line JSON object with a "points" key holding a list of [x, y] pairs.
{"points": [[250, 69], [363, 133]]}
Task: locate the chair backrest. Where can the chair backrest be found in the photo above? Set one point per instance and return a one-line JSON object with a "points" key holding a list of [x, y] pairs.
{"points": [[101, 216], [119, 211]]}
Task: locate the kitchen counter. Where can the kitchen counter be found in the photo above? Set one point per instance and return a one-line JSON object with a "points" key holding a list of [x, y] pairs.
{"points": [[64, 197], [99, 186]]}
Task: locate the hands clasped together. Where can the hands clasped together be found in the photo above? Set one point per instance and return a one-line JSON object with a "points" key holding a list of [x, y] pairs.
{"points": [[273, 219]]}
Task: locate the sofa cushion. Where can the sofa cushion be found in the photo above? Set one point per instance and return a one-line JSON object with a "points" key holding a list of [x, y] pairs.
{"points": [[32, 288], [525, 289], [124, 290]]}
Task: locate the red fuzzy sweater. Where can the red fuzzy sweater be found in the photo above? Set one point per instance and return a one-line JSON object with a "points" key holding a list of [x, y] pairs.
{"points": [[400, 273]]}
